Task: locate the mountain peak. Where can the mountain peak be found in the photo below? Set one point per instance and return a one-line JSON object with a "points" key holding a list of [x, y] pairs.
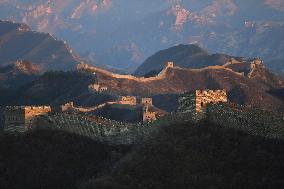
{"points": [[190, 48], [187, 56], [19, 42]]}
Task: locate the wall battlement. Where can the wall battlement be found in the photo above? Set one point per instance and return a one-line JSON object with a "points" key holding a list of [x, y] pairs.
{"points": [[97, 88], [211, 92], [67, 106], [95, 70], [18, 118], [149, 116], [196, 103], [128, 100], [147, 101], [169, 64]]}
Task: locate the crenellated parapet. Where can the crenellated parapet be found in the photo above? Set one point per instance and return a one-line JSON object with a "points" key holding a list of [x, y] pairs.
{"points": [[101, 74], [169, 64], [147, 101], [196, 103], [96, 88], [128, 100], [18, 118]]}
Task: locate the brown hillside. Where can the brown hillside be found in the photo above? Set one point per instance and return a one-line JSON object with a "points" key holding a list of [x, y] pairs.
{"points": [[19, 42], [248, 88], [18, 74]]}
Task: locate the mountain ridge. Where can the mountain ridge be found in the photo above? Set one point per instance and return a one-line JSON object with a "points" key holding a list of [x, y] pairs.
{"points": [[228, 27], [18, 42], [186, 56], [246, 82]]}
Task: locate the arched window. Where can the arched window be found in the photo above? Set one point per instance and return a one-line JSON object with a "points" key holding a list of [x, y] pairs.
{"points": [[202, 104]]}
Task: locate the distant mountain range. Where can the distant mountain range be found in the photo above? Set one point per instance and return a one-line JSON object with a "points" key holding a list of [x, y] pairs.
{"points": [[26, 54], [122, 34], [19, 43], [247, 82]]}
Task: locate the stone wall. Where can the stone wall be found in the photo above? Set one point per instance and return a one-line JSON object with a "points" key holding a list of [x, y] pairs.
{"points": [[204, 97], [87, 68], [129, 100], [14, 119], [33, 111], [253, 121], [67, 106], [149, 116], [147, 101], [96, 88], [195, 103], [18, 118], [170, 64]]}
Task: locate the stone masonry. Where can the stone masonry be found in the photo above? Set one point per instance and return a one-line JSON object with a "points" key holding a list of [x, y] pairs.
{"points": [[147, 101], [67, 106], [128, 100], [170, 64], [195, 103], [18, 118], [148, 115], [96, 88]]}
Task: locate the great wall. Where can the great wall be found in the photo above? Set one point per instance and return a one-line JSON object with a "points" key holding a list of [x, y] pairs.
{"points": [[21, 119], [85, 67], [195, 106], [174, 79], [162, 75], [249, 120], [170, 65]]}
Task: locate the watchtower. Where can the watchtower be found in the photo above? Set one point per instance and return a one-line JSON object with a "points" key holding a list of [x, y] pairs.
{"points": [[195, 103], [148, 115], [258, 61], [170, 64], [18, 118], [128, 100], [96, 88], [147, 101], [66, 107]]}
